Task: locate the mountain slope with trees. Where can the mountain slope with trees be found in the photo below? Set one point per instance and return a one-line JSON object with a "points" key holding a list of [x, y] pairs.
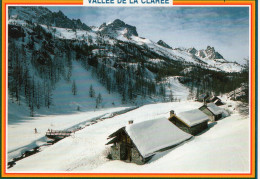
{"points": [[45, 47]]}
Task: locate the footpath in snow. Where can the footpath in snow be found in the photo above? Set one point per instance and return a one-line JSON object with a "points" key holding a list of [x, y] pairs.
{"points": [[224, 147]]}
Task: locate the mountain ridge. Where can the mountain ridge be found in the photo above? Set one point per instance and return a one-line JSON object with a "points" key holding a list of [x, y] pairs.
{"points": [[125, 32]]}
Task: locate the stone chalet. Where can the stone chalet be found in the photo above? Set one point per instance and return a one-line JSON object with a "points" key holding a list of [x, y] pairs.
{"points": [[212, 110], [138, 142], [192, 122]]}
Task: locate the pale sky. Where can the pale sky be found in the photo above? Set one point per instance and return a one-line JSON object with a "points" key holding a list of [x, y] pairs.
{"points": [[225, 28]]}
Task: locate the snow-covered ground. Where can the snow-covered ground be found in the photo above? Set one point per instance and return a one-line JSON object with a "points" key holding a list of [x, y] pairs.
{"points": [[224, 147], [21, 136]]}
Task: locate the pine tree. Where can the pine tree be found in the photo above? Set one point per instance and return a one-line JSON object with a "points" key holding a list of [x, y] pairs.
{"points": [[38, 97], [162, 91], [99, 100], [32, 110], [48, 94], [91, 92], [171, 96], [130, 91], [74, 88], [123, 98]]}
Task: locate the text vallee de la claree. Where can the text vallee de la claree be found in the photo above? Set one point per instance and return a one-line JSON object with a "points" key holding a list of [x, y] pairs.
{"points": [[128, 2]]}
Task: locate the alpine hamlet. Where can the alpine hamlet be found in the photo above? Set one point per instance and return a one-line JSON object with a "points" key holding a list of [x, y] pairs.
{"points": [[129, 2]]}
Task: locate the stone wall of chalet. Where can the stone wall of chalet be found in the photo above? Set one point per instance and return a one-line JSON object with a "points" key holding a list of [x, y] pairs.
{"points": [[115, 152], [136, 157], [199, 128]]}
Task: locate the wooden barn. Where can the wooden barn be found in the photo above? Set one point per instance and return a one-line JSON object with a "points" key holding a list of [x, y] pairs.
{"points": [[212, 110], [216, 100], [138, 142], [192, 122]]}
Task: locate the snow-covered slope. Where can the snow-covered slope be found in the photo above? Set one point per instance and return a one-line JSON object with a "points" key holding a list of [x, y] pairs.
{"points": [[179, 91], [215, 150], [64, 100], [212, 60]]}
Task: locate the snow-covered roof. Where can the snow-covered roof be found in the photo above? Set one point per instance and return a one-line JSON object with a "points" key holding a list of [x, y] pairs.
{"points": [[214, 108], [192, 117], [218, 100], [153, 135]]}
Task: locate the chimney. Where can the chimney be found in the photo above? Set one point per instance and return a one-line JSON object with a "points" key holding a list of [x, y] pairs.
{"points": [[171, 113], [204, 101], [130, 122]]}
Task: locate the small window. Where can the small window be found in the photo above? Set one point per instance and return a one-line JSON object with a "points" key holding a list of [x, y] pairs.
{"points": [[128, 140]]}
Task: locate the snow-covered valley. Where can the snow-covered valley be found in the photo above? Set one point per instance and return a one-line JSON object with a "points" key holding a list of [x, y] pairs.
{"points": [[224, 147], [22, 137], [67, 76]]}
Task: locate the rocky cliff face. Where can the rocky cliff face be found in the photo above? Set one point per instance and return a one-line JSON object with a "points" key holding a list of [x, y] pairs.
{"points": [[162, 43]]}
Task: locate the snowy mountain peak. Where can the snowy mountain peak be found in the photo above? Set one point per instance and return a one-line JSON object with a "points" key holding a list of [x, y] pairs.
{"points": [[118, 27], [117, 22], [192, 50], [162, 43], [210, 53]]}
